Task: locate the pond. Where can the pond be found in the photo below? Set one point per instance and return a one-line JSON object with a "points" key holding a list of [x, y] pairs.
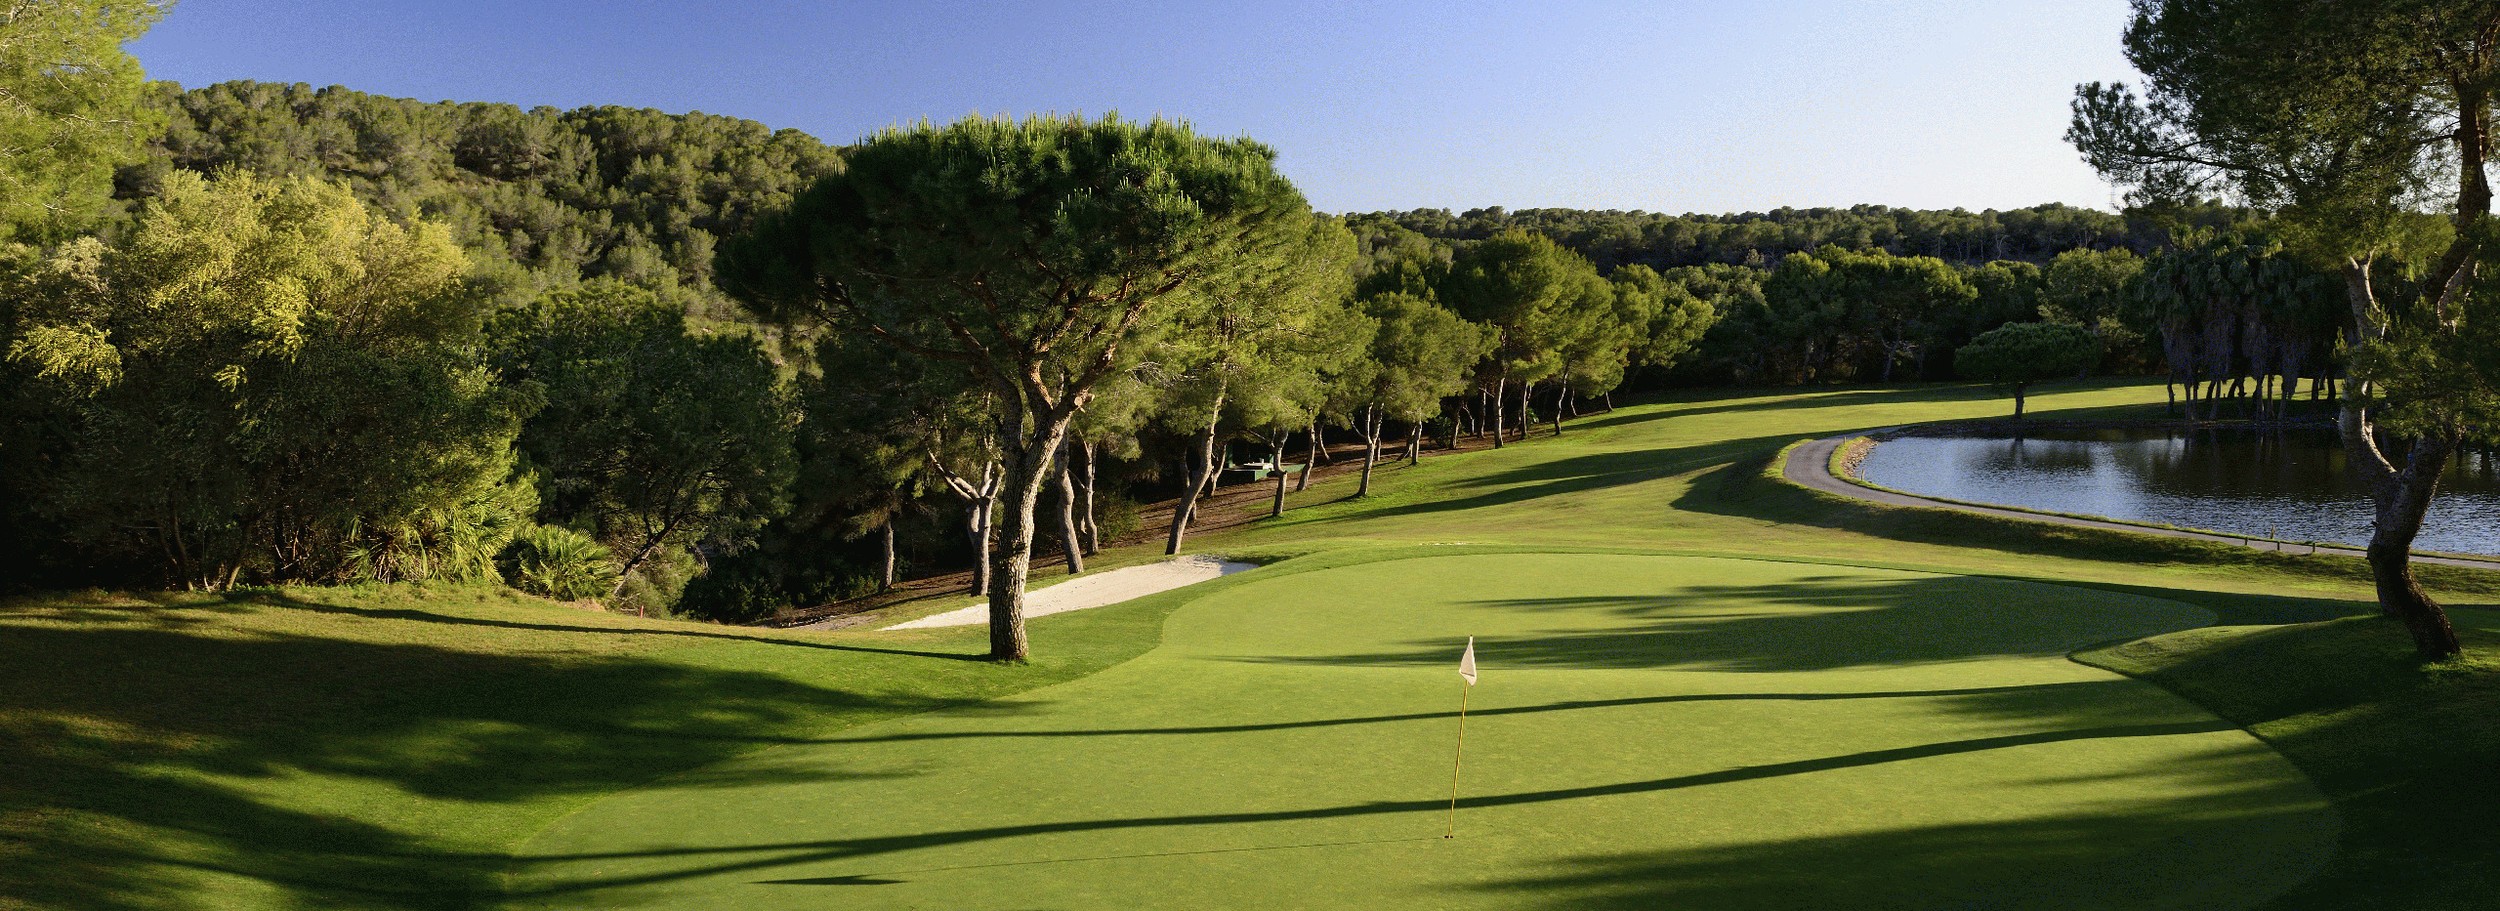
{"points": [[2293, 484]]}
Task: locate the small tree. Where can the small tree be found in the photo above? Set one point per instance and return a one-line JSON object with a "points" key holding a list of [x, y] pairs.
{"points": [[1420, 354], [2017, 355]]}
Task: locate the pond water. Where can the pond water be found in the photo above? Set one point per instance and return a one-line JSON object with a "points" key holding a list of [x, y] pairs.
{"points": [[2292, 484]]}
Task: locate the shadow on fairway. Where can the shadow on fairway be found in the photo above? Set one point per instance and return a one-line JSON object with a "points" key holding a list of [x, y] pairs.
{"points": [[2049, 694], [1563, 476], [1812, 623], [288, 600], [763, 858], [2081, 862], [150, 731]]}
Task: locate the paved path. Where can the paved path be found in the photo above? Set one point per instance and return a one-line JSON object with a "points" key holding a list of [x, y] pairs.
{"points": [[1810, 465]]}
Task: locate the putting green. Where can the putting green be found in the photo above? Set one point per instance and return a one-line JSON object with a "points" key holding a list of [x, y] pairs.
{"points": [[1650, 731]]}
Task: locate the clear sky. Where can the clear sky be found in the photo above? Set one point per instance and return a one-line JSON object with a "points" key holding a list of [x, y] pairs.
{"points": [[1666, 106]]}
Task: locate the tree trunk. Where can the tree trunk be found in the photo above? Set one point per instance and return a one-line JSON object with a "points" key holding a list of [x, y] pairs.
{"points": [[1187, 508], [1086, 524], [1276, 462], [1371, 448], [2404, 499], [977, 532], [1500, 390], [1524, 415], [1316, 453], [2018, 401], [885, 577], [1560, 395], [1069, 540], [1027, 469], [2401, 493], [1415, 444]]}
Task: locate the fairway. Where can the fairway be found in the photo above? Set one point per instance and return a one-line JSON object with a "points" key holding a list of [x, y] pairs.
{"points": [[1651, 731]]}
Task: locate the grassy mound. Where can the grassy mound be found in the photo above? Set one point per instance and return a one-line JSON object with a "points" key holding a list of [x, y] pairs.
{"points": [[2406, 752]]}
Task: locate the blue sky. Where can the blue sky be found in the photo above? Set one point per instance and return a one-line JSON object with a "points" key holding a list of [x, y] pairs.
{"points": [[1665, 106]]}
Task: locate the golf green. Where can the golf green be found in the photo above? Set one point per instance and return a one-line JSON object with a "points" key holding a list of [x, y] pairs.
{"points": [[1650, 731]]}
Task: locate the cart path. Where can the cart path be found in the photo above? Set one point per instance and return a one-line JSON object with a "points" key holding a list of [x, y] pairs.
{"points": [[1096, 590]]}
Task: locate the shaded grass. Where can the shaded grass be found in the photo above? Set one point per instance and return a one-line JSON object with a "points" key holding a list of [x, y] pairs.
{"points": [[381, 747], [2406, 751]]}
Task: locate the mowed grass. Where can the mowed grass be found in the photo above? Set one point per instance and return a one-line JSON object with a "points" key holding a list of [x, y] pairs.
{"points": [[1650, 732], [396, 747], [386, 747]]}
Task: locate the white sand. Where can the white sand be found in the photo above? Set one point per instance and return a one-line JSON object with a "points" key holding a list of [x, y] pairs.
{"points": [[1096, 590]]}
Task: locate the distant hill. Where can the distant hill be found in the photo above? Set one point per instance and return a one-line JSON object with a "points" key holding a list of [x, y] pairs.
{"points": [[549, 196]]}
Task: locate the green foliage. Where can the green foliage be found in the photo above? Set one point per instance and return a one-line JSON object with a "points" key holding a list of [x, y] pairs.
{"points": [[1613, 239], [1838, 314], [73, 110], [456, 541], [2087, 288], [1542, 302], [1420, 353], [552, 561], [1667, 319], [2090, 288], [2008, 292], [1267, 344], [2223, 301], [2020, 354], [540, 198], [656, 438], [264, 380]]}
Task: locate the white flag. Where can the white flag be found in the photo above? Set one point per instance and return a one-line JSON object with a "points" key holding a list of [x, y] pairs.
{"points": [[1467, 662]]}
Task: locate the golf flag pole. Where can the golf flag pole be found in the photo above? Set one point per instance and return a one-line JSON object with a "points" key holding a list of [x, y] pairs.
{"points": [[1467, 672]]}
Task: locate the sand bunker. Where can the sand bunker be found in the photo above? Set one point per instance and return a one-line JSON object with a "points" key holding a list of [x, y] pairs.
{"points": [[1097, 590]]}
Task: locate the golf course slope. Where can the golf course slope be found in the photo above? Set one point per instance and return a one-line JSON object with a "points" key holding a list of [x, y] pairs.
{"points": [[1703, 687], [1650, 731]]}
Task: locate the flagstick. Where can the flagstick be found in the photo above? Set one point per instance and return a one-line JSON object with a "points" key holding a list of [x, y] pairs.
{"points": [[1458, 757]]}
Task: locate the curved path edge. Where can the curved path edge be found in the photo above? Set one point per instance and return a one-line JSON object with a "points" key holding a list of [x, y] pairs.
{"points": [[1809, 465]]}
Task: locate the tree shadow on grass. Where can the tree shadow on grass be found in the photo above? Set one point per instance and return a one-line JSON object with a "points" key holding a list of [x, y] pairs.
{"points": [[2231, 849], [132, 757], [1564, 476], [1811, 623], [1569, 705], [768, 857], [725, 634]]}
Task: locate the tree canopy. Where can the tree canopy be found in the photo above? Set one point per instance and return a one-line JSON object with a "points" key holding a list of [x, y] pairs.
{"points": [[69, 110], [1034, 254], [2017, 355]]}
